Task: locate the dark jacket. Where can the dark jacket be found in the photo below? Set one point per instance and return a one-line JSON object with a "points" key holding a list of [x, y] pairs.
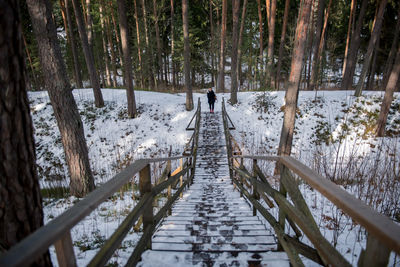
{"points": [[211, 96]]}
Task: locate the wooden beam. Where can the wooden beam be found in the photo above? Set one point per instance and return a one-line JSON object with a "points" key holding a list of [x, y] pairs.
{"points": [[65, 251]]}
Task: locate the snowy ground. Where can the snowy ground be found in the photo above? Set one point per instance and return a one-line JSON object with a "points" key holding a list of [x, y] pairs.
{"points": [[331, 131]]}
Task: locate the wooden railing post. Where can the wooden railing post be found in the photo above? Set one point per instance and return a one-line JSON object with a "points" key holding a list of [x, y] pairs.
{"points": [[282, 214], [255, 192], [65, 251], [145, 187], [375, 254], [169, 187], [181, 177]]}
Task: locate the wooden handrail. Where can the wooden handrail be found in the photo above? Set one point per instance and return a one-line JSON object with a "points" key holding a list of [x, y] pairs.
{"points": [[37, 243]]}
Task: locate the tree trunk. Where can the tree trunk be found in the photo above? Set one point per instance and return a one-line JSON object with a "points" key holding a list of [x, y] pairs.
{"points": [[173, 46], [138, 45], [160, 73], [62, 100], [350, 31], [94, 79], [318, 57], [371, 75], [123, 27], [116, 32], [271, 36], [281, 44], [286, 139], [149, 49], [89, 23], [20, 200], [28, 55], [317, 41], [388, 98], [234, 55], [212, 38], [186, 55], [221, 69], [347, 81], [71, 39], [113, 56], [392, 53], [260, 28], [239, 65], [105, 48], [375, 35]]}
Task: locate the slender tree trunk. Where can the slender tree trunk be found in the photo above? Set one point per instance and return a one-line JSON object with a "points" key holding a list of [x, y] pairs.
{"points": [[89, 23], [308, 60], [392, 53], [94, 78], [388, 98], [186, 66], [281, 45], [123, 26], [234, 55], [149, 49], [239, 65], [105, 48], [350, 31], [71, 39], [271, 37], [160, 73], [286, 139], [173, 64], [221, 69], [118, 44], [138, 45], [317, 42], [212, 51], [20, 200], [260, 28], [371, 75], [375, 35], [113, 56], [347, 81], [28, 55], [318, 57], [62, 100]]}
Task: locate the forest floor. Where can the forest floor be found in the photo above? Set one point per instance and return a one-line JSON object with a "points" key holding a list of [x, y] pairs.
{"points": [[334, 135]]}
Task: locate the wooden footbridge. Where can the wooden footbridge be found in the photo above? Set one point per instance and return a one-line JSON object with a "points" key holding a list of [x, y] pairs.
{"points": [[214, 203]]}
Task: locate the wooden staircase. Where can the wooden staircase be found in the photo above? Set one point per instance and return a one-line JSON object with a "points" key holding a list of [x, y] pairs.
{"points": [[211, 225]]}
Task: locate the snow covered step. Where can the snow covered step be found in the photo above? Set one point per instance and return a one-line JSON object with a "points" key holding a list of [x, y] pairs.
{"points": [[215, 239], [211, 227], [212, 247], [214, 233], [188, 222]]}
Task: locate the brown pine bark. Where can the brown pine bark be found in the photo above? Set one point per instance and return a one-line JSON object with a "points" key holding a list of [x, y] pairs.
{"points": [[286, 139], [94, 78], [123, 26], [212, 38], [371, 75], [112, 51], [281, 44], [138, 45], [347, 81], [149, 49], [260, 28], [186, 55], [239, 65], [234, 55], [318, 57], [173, 63], [160, 73], [350, 31], [375, 35], [105, 48], [271, 37], [317, 41], [62, 100], [392, 53], [114, 23], [28, 55], [89, 23], [388, 98], [221, 68], [20, 200]]}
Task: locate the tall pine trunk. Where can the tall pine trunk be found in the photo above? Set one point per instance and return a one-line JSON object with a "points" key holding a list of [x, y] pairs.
{"points": [[105, 48], [281, 44], [317, 40], [375, 35], [173, 63], [271, 37], [351, 61], [20, 200], [234, 55], [221, 68], [112, 50], [149, 49], [260, 29], [160, 73], [186, 55], [94, 78], [239, 65], [388, 98], [138, 45], [123, 27], [62, 100], [350, 31], [286, 139]]}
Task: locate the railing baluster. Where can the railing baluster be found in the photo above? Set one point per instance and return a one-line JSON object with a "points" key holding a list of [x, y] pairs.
{"points": [[282, 214], [181, 178], [255, 192], [65, 251], [375, 254], [144, 187]]}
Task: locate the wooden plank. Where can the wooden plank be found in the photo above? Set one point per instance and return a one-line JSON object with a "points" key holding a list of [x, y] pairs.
{"points": [[374, 222], [107, 250], [305, 250], [376, 254], [140, 246], [266, 157], [65, 251], [145, 187]]}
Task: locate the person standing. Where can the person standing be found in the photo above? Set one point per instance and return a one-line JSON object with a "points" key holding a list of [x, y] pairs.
{"points": [[211, 99]]}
